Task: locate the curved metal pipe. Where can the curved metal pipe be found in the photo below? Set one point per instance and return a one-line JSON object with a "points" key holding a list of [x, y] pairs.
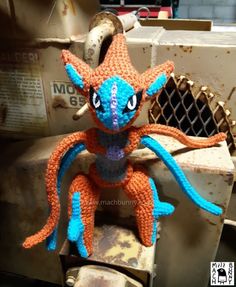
{"points": [[95, 38]]}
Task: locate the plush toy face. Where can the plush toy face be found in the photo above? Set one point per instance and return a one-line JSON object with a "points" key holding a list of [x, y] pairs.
{"points": [[115, 103], [115, 91]]}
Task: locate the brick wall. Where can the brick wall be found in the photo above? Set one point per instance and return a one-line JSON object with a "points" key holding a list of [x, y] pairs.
{"points": [[217, 10]]}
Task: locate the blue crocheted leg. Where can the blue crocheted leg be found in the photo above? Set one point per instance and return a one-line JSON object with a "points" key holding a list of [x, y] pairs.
{"points": [[76, 227], [51, 241], [170, 162], [66, 161], [83, 200], [159, 209], [148, 207]]}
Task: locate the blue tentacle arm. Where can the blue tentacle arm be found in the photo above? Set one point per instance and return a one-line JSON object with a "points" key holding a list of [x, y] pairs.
{"points": [[66, 162], [180, 177]]}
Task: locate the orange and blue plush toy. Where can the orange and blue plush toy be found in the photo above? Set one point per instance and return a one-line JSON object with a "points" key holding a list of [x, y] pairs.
{"points": [[115, 92]]}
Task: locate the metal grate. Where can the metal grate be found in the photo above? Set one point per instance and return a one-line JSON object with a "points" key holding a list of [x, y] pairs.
{"points": [[192, 110]]}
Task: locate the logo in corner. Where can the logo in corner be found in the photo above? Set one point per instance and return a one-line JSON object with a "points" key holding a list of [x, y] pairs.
{"points": [[222, 274]]}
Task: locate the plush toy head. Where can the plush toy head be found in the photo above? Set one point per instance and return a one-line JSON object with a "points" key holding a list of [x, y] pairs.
{"points": [[115, 90]]}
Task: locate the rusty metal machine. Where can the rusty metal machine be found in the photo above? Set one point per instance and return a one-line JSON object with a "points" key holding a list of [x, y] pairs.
{"points": [[198, 99]]}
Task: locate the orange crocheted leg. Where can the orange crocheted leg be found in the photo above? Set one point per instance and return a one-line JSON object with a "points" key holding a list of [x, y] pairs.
{"points": [[148, 207], [83, 201], [180, 136]]}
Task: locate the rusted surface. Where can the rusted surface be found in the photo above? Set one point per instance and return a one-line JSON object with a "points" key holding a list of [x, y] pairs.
{"points": [[120, 246], [65, 8], [106, 17], [99, 276], [59, 102], [186, 49], [91, 51], [94, 41], [229, 179]]}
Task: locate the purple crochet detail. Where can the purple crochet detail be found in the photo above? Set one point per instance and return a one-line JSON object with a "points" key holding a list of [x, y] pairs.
{"points": [[115, 153], [113, 105]]}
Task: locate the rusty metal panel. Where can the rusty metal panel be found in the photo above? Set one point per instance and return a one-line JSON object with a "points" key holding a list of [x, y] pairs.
{"points": [[121, 247], [116, 247]]}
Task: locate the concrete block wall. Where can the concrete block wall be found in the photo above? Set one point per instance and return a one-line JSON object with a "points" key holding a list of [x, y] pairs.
{"points": [[217, 10]]}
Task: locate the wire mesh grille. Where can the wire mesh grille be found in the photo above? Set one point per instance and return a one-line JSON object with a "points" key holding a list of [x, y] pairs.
{"points": [[191, 110]]}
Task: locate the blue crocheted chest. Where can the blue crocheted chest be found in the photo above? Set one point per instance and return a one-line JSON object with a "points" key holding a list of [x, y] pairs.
{"points": [[112, 166]]}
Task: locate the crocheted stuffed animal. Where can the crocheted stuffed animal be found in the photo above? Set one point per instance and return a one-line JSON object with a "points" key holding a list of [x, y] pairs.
{"points": [[115, 92]]}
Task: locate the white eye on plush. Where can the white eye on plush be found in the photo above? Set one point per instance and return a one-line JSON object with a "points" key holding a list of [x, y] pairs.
{"points": [[96, 101], [132, 103]]}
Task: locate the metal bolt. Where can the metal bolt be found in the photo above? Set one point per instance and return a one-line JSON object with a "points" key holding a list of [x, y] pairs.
{"points": [[204, 88], [70, 281], [191, 83], [227, 112], [71, 276], [220, 103]]}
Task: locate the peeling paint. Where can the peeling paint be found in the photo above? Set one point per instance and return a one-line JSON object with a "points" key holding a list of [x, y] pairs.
{"points": [[119, 246], [229, 178], [90, 51], [65, 8], [186, 49], [59, 102]]}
